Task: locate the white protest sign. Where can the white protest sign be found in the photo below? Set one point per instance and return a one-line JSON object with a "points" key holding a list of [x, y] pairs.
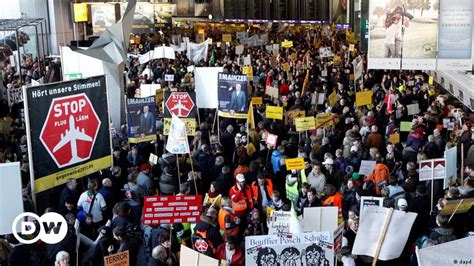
{"points": [[190, 69], [163, 52], [206, 86], [169, 78], [321, 98], [190, 257], [413, 109], [178, 138], [279, 223], [439, 168], [239, 49], [425, 170], [457, 252], [271, 91], [15, 95], [320, 219], [147, 90], [153, 159], [11, 204], [248, 60], [297, 249], [369, 202], [325, 52], [358, 67], [276, 49], [370, 231], [271, 140], [37, 82], [367, 167], [432, 169], [451, 166]]}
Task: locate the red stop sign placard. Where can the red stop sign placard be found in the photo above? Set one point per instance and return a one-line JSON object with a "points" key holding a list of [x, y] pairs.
{"points": [[180, 104], [70, 129]]}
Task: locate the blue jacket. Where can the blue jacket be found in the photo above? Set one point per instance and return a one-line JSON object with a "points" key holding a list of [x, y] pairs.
{"points": [[276, 156]]}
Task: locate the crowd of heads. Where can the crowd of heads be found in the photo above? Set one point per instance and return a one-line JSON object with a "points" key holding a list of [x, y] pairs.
{"points": [[240, 176]]}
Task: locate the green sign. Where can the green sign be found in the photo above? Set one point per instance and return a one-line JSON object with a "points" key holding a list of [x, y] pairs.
{"points": [[74, 76], [405, 126]]}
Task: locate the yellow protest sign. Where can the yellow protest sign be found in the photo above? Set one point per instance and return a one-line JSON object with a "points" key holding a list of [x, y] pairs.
{"points": [[118, 259], [190, 124], [291, 115], [287, 44], [363, 98], [226, 38], [332, 98], [257, 100], [248, 70], [351, 47], [395, 138], [324, 120], [430, 80], [286, 67], [294, 164], [274, 112], [304, 123], [294, 56], [462, 205]]}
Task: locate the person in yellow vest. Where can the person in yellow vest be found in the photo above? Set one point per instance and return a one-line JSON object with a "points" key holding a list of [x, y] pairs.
{"points": [[228, 221], [294, 182], [305, 172]]}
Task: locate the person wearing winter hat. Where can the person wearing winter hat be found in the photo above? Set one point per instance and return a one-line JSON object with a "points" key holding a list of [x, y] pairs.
{"points": [[144, 180]]}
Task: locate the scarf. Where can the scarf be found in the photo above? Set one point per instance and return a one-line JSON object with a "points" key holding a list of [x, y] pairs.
{"points": [[213, 194]]}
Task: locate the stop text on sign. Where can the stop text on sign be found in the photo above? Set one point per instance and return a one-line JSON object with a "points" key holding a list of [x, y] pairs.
{"points": [[67, 108]]}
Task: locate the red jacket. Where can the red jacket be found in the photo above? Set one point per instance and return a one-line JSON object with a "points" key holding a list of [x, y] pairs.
{"points": [[284, 89], [237, 259], [242, 201]]}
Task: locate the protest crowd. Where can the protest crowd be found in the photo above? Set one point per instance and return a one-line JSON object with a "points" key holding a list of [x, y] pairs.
{"points": [[241, 176]]}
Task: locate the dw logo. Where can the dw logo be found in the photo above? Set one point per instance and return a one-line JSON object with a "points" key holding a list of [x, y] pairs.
{"points": [[52, 228]]}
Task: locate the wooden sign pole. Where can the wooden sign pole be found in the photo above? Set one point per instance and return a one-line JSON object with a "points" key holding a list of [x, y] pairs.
{"points": [[382, 236]]}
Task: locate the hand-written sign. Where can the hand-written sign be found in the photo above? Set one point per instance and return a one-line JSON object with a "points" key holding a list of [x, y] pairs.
{"points": [[257, 100], [294, 164], [367, 167], [171, 209], [324, 120], [119, 259], [274, 112], [304, 123]]}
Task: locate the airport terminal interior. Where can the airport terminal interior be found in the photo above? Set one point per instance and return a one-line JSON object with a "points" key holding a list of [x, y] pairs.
{"points": [[236, 132]]}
